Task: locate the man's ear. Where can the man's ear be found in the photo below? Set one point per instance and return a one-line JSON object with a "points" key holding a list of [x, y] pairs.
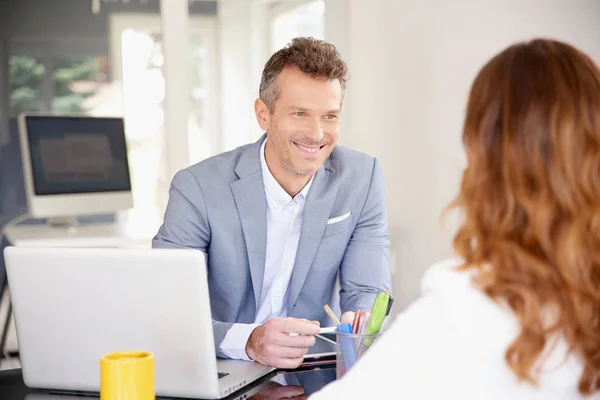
{"points": [[263, 114]]}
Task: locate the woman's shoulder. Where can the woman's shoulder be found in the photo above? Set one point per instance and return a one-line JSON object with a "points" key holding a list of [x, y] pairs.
{"points": [[447, 275], [463, 301]]}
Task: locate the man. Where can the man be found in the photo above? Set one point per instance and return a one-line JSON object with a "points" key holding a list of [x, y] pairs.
{"points": [[280, 218]]}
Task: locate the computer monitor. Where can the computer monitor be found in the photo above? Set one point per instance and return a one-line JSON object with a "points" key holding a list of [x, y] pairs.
{"points": [[74, 165]]}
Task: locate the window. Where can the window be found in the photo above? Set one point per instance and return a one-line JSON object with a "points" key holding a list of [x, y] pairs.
{"points": [[26, 75], [295, 19], [44, 77], [137, 51]]}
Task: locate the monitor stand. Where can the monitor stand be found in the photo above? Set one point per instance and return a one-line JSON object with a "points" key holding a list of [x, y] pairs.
{"points": [[68, 232], [62, 222]]}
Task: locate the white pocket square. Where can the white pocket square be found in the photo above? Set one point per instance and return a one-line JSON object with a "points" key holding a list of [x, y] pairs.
{"points": [[335, 220]]}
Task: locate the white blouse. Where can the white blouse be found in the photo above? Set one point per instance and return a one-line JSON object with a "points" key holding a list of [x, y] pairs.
{"points": [[450, 344]]}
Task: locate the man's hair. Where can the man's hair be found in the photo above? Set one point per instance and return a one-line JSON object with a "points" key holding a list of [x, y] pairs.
{"points": [[316, 58]]}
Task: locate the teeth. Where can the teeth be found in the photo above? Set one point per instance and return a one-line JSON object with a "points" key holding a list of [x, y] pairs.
{"points": [[308, 149]]}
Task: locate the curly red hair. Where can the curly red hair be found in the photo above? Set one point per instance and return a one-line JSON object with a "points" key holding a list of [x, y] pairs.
{"points": [[530, 197]]}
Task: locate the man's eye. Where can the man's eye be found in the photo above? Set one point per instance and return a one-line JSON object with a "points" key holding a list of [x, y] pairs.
{"points": [[299, 114], [331, 116]]}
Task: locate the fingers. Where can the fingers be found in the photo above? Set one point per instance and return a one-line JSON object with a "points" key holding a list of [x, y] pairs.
{"points": [[282, 342], [287, 363], [284, 339], [287, 352], [300, 326], [274, 336]]}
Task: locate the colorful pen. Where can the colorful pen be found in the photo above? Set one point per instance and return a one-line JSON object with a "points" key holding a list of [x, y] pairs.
{"points": [[378, 313]]}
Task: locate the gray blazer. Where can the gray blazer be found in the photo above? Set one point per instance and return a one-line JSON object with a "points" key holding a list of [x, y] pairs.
{"points": [[218, 206]]}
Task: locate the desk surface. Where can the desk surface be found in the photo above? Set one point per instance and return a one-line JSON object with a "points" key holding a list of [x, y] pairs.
{"points": [[266, 388]]}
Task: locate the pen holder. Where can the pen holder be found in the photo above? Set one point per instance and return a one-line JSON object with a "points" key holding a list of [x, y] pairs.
{"points": [[127, 375], [350, 348]]}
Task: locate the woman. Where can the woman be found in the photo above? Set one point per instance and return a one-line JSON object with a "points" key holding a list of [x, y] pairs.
{"points": [[518, 316]]}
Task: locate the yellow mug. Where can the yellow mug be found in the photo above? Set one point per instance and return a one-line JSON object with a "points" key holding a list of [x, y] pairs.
{"points": [[127, 375]]}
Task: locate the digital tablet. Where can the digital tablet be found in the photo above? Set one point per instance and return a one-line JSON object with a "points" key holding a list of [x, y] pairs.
{"points": [[323, 351]]}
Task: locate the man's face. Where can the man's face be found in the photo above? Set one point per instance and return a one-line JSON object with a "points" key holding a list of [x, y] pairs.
{"points": [[303, 127]]}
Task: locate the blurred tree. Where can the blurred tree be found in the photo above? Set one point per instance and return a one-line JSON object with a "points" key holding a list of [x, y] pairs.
{"points": [[27, 74], [25, 77], [66, 72]]}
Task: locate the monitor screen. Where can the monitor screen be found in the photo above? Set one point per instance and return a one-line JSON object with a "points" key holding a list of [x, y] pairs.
{"points": [[71, 155]]}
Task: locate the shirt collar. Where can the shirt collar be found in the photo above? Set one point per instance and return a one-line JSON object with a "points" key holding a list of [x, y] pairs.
{"points": [[278, 196]]}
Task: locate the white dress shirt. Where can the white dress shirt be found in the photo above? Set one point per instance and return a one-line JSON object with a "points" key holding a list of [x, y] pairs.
{"points": [[284, 221], [451, 344]]}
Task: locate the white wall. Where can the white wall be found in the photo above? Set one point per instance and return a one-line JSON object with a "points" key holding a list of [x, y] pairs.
{"points": [[412, 63], [244, 48]]}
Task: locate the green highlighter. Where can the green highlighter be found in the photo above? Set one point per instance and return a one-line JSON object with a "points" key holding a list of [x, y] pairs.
{"points": [[378, 313]]}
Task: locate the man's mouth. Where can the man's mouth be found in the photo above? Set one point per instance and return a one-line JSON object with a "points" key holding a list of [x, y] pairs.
{"points": [[309, 149]]}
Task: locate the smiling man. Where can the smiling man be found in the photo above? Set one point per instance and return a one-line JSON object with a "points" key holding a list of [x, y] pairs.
{"points": [[282, 218]]}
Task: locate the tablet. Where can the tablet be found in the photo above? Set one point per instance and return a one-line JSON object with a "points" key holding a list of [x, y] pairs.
{"points": [[323, 351]]}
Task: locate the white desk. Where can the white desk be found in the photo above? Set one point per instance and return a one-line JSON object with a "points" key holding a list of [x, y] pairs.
{"points": [[91, 235]]}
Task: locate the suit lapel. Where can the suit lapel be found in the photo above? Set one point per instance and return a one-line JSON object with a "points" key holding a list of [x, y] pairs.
{"points": [[317, 209], [250, 201]]}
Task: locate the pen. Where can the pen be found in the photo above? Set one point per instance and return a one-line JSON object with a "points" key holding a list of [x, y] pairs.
{"points": [[386, 321], [389, 308], [326, 339], [364, 321], [378, 313], [331, 314], [328, 329], [355, 322]]}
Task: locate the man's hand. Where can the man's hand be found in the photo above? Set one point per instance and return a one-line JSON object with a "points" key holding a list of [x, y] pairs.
{"points": [[271, 343], [279, 392]]}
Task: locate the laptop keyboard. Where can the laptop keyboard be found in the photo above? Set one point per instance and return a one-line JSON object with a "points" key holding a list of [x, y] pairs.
{"points": [[222, 374]]}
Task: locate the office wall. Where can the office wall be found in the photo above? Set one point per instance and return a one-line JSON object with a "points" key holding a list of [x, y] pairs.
{"points": [[412, 63], [243, 47]]}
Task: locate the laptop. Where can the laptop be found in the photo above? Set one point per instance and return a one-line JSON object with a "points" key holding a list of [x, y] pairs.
{"points": [[73, 305]]}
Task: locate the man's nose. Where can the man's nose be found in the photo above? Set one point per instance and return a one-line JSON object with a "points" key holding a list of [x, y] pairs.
{"points": [[315, 131]]}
